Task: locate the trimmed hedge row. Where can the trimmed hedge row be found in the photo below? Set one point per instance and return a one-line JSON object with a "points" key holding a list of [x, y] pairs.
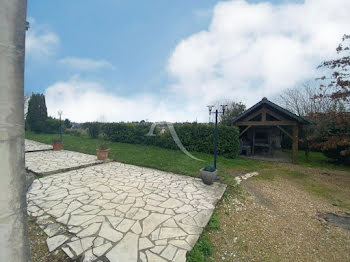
{"points": [[194, 136], [52, 126]]}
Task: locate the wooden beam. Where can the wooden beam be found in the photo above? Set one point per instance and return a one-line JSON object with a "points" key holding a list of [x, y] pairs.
{"points": [[245, 130], [295, 144], [285, 132], [275, 115], [266, 123], [249, 117]]}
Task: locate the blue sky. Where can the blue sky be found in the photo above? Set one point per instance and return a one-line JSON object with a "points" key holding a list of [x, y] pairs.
{"points": [[165, 60], [136, 37]]}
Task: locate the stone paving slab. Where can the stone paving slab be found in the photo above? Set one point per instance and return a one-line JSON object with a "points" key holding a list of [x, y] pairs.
{"points": [[32, 146], [121, 212], [51, 162]]}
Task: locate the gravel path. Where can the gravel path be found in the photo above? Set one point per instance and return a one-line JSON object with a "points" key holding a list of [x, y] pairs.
{"points": [[279, 221]]}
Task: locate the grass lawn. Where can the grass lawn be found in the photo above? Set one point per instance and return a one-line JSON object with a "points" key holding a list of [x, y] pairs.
{"points": [[272, 217], [318, 160], [155, 157], [176, 161]]}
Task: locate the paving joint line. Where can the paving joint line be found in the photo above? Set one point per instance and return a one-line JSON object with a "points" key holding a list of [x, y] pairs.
{"points": [[63, 170], [39, 150]]}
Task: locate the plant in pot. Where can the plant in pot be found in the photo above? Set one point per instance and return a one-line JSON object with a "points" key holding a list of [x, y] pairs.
{"points": [[208, 174], [102, 150], [57, 144]]}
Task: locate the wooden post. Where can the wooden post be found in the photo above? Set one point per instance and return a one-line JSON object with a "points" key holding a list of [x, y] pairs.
{"points": [[253, 149], [263, 115], [295, 144]]}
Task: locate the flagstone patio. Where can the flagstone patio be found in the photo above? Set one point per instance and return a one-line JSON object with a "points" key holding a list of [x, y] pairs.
{"points": [[119, 212], [32, 146], [51, 162]]}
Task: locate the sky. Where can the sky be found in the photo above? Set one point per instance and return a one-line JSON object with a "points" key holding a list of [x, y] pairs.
{"points": [[162, 60]]}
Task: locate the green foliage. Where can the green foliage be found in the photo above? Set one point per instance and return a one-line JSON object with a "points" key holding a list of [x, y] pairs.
{"points": [[209, 169], [320, 190], [93, 129], [76, 132], [267, 175], [337, 153], [331, 135], [194, 136], [67, 123], [56, 140], [52, 126], [201, 251], [37, 113], [214, 222], [234, 109], [102, 145], [295, 174], [154, 157]]}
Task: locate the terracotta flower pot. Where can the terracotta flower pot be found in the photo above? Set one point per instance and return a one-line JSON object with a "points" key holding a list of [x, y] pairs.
{"points": [[57, 146], [102, 154], [207, 177]]}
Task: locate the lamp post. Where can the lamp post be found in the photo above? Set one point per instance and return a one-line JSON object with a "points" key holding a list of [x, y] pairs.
{"points": [[217, 112], [210, 109], [60, 114]]}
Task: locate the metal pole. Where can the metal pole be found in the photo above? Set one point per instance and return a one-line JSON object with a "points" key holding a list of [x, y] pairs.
{"points": [[14, 246], [215, 137], [60, 114], [60, 128]]}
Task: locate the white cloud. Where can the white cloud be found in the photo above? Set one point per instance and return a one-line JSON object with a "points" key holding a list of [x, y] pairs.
{"points": [[249, 51], [83, 101], [85, 64], [255, 50], [40, 41]]}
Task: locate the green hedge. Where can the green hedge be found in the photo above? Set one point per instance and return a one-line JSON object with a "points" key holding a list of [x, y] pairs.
{"points": [[194, 136], [93, 128], [52, 126]]}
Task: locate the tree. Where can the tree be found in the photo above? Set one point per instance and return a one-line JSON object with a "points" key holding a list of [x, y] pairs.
{"points": [[332, 135], [337, 77], [307, 99], [67, 123], [234, 109], [37, 113]]}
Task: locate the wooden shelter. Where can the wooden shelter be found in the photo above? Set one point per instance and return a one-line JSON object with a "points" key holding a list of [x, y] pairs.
{"points": [[262, 125]]}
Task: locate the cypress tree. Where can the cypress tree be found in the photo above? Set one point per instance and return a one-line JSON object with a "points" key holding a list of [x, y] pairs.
{"points": [[37, 113]]}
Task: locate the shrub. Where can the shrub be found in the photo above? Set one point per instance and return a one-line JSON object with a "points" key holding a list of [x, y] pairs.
{"points": [[332, 135], [103, 145], [337, 153], [209, 169], [194, 136], [52, 126], [93, 129]]}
